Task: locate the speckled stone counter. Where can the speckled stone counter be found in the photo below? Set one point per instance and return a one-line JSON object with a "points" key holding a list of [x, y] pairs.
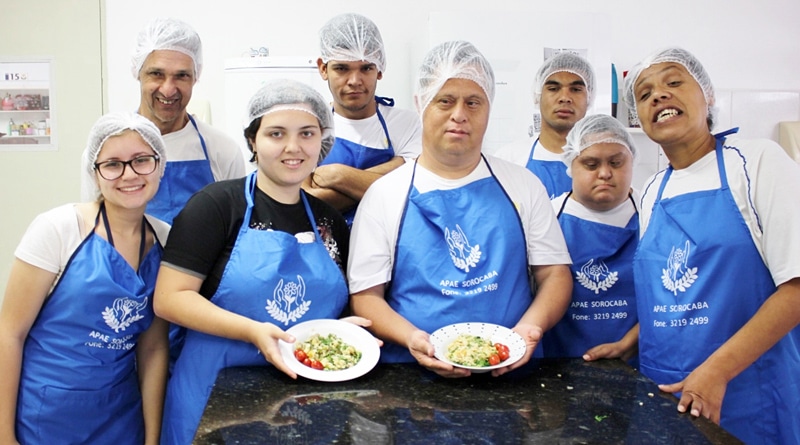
{"points": [[547, 401]]}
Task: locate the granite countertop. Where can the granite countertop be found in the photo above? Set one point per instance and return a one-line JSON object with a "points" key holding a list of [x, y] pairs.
{"points": [[547, 401]]}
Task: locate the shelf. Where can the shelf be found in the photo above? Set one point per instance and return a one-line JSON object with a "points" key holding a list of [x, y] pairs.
{"points": [[24, 111]]}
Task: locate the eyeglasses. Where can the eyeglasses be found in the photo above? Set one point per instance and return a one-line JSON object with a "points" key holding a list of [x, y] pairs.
{"points": [[142, 165]]}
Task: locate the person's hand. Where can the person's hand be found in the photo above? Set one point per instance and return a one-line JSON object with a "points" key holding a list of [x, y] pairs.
{"points": [[616, 349], [532, 335], [421, 348], [702, 392], [364, 323], [265, 337], [325, 176]]}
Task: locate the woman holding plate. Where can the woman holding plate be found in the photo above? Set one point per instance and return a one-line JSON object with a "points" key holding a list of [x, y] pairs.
{"points": [[271, 255]]}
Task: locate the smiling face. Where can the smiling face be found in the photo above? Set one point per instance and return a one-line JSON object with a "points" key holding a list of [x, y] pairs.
{"points": [[454, 123], [671, 105], [166, 81], [352, 85], [287, 147], [601, 176], [131, 190], [563, 102]]}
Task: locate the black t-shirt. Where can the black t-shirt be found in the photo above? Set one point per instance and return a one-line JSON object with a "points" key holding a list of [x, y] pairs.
{"points": [[204, 232]]}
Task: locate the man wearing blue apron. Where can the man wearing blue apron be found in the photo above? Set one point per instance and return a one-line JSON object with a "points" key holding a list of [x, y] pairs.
{"points": [[600, 222], [717, 271], [372, 136], [564, 90], [449, 238], [167, 63]]}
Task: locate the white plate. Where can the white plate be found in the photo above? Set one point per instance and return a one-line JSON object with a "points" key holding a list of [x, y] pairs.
{"points": [[351, 334], [442, 337]]}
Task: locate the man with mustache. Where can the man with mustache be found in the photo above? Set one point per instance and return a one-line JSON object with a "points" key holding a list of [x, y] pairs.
{"points": [[372, 137], [564, 89]]}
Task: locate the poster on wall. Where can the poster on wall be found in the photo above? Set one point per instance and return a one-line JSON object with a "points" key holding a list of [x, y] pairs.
{"points": [[27, 118]]}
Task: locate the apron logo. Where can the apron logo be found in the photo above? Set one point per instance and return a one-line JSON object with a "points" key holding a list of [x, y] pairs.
{"points": [[596, 277], [463, 255], [678, 276], [123, 313], [288, 301]]}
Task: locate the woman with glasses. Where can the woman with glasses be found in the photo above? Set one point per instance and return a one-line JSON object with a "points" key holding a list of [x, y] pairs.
{"points": [[84, 359]]}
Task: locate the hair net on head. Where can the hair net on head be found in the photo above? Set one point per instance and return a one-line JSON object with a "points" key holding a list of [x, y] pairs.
{"points": [[452, 60], [113, 124], [352, 37], [595, 129], [570, 63], [286, 94], [675, 55], [167, 34]]}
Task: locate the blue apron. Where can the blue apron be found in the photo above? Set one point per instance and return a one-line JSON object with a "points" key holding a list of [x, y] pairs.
{"points": [[699, 279], [553, 174], [79, 382], [360, 156], [460, 256], [603, 307], [270, 277], [181, 180]]}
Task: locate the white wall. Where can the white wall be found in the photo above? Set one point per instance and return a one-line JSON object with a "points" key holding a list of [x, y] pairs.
{"points": [[743, 44]]}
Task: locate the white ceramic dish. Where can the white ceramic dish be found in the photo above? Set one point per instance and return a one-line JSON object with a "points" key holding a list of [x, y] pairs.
{"points": [[442, 337], [351, 334]]}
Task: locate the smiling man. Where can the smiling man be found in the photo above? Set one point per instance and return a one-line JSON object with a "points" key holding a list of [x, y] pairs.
{"points": [[564, 90], [372, 137], [167, 62], [455, 236]]}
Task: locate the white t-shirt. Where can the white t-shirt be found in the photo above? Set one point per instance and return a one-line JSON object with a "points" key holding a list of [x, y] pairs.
{"points": [[404, 127], [53, 236], [764, 182], [377, 221], [619, 216], [519, 151], [224, 154]]}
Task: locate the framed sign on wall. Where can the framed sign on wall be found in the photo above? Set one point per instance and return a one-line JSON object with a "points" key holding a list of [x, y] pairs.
{"points": [[27, 118]]}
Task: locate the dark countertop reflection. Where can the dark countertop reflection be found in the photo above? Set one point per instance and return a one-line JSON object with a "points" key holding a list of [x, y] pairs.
{"points": [[547, 401]]}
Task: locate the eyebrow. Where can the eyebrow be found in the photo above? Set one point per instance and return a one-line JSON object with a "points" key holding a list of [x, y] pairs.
{"points": [[575, 82], [671, 66]]}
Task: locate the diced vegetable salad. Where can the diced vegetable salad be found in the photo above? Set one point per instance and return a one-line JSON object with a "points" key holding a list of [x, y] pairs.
{"points": [[474, 351], [327, 352]]}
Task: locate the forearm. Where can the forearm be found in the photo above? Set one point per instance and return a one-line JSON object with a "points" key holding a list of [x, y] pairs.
{"points": [[10, 368], [554, 292], [387, 324], [350, 181], [779, 314], [333, 198], [152, 356]]}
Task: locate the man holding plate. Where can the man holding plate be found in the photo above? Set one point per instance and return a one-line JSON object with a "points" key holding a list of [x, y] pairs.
{"points": [[456, 236]]}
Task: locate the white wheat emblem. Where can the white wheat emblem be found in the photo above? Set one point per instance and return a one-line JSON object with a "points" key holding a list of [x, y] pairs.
{"points": [[678, 276], [463, 255], [123, 313], [596, 277], [288, 301]]}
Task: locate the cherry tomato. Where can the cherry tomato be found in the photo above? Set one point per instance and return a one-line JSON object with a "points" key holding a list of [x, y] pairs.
{"points": [[307, 362], [502, 351], [300, 355], [316, 364], [494, 359]]}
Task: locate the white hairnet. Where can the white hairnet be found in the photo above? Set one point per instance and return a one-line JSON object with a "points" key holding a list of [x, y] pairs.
{"points": [[286, 94], [113, 124], [595, 129], [570, 63], [352, 37], [675, 55], [452, 60], [167, 34]]}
